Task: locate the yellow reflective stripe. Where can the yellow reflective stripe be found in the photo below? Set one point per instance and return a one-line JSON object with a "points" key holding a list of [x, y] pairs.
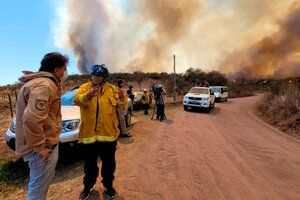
{"points": [[88, 140], [98, 138], [120, 101], [81, 98]]}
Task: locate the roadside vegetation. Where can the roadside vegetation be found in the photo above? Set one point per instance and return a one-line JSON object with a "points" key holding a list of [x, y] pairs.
{"points": [[12, 175], [280, 106]]}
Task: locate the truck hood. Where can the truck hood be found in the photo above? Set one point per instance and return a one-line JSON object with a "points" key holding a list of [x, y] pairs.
{"points": [[217, 94], [70, 112]]}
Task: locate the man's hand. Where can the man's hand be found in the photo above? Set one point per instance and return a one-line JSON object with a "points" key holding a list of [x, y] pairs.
{"points": [[94, 92], [45, 155]]}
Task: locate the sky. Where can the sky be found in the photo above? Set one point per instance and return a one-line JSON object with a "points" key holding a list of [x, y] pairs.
{"points": [[242, 38], [25, 37]]}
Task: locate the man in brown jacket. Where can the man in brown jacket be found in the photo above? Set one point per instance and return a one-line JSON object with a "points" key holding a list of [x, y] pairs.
{"points": [[38, 122]]}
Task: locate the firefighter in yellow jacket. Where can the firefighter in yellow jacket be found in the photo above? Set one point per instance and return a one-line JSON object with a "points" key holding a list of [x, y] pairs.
{"points": [[145, 101], [98, 102]]}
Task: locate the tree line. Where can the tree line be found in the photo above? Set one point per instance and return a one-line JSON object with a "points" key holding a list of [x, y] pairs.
{"points": [[184, 81]]}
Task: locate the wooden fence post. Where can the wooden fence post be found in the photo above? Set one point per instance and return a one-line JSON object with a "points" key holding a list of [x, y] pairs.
{"points": [[10, 105], [16, 95]]}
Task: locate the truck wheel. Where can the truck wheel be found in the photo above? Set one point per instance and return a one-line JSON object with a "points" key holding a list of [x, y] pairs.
{"points": [[185, 108], [209, 108]]}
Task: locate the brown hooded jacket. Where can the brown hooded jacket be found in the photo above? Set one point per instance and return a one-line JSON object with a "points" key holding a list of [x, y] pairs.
{"points": [[38, 117]]}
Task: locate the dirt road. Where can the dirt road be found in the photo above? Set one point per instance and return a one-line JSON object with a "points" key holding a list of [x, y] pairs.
{"points": [[226, 154]]}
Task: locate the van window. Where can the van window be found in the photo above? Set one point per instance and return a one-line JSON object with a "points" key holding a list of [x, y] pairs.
{"points": [[216, 90]]}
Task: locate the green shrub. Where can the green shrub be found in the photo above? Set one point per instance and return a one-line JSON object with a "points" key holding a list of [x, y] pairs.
{"points": [[13, 172]]}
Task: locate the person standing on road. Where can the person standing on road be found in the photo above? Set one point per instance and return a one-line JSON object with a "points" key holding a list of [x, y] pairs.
{"points": [[120, 111], [145, 101], [98, 102], [39, 120], [130, 93], [160, 103]]}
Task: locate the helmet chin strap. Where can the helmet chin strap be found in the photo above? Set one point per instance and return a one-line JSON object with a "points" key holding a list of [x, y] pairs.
{"points": [[100, 84]]}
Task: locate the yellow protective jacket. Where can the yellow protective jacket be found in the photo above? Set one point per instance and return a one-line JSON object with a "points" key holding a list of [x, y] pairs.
{"points": [[146, 98], [99, 114]]}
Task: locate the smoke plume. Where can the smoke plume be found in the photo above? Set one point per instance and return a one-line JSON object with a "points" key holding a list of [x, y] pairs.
{"points": [[273, 56], [249, 38]]}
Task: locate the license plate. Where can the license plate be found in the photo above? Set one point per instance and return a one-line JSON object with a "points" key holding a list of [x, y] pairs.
{"points": [[195, 102]]}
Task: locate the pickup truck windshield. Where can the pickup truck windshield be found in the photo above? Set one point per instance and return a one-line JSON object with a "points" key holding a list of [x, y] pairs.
{"points": [[199, 90], [67, 98]]}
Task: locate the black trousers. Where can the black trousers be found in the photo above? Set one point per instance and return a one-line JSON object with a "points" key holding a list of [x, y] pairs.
{"points": [[160, 113], [106, 151]]}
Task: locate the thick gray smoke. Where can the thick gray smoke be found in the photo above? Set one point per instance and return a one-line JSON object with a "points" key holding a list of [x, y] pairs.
{"points": [[236, 37], [273, 56]]}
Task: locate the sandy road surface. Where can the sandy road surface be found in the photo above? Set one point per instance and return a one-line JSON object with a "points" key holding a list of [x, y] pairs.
{"points": [[226, 154]]}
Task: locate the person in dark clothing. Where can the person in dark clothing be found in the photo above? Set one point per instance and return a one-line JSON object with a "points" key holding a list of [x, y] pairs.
{"points": [[205, 84], [130, 93], [160, 103]]}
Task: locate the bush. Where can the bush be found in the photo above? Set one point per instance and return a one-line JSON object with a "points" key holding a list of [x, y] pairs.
{"points": [[239, 90], [13, 172], [281, 107]]}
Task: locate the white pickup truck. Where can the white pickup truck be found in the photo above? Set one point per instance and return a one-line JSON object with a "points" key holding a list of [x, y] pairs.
{"points": [[71, 120], [200, 97]]}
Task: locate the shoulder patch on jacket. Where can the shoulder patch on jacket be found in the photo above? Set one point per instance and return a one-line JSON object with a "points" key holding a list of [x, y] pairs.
{"points": [[41, 105]]}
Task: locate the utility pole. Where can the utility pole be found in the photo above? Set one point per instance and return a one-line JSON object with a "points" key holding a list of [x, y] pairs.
{"points": [[174, 79]]}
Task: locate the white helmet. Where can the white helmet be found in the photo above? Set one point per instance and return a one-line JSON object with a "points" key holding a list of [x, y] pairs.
{"points": [[145, 90]]}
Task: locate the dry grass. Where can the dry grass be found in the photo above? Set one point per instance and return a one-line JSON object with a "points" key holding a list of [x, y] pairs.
{"points": [[5, 120], [283, 109], [239, 90]]}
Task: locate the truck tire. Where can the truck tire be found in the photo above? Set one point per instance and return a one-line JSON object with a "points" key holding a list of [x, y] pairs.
{"points": [[209, 108], [185, 108]]}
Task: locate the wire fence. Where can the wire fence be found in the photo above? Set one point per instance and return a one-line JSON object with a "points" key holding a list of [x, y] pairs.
{"points": [[9, 98], [7, 95]]}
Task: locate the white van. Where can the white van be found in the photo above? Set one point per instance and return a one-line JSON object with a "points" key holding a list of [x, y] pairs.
{"points": [[221, 93]]}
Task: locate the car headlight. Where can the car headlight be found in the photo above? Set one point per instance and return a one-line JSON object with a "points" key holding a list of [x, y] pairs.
{"points": [[185, 98], [70, 125], [13, 126]]}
